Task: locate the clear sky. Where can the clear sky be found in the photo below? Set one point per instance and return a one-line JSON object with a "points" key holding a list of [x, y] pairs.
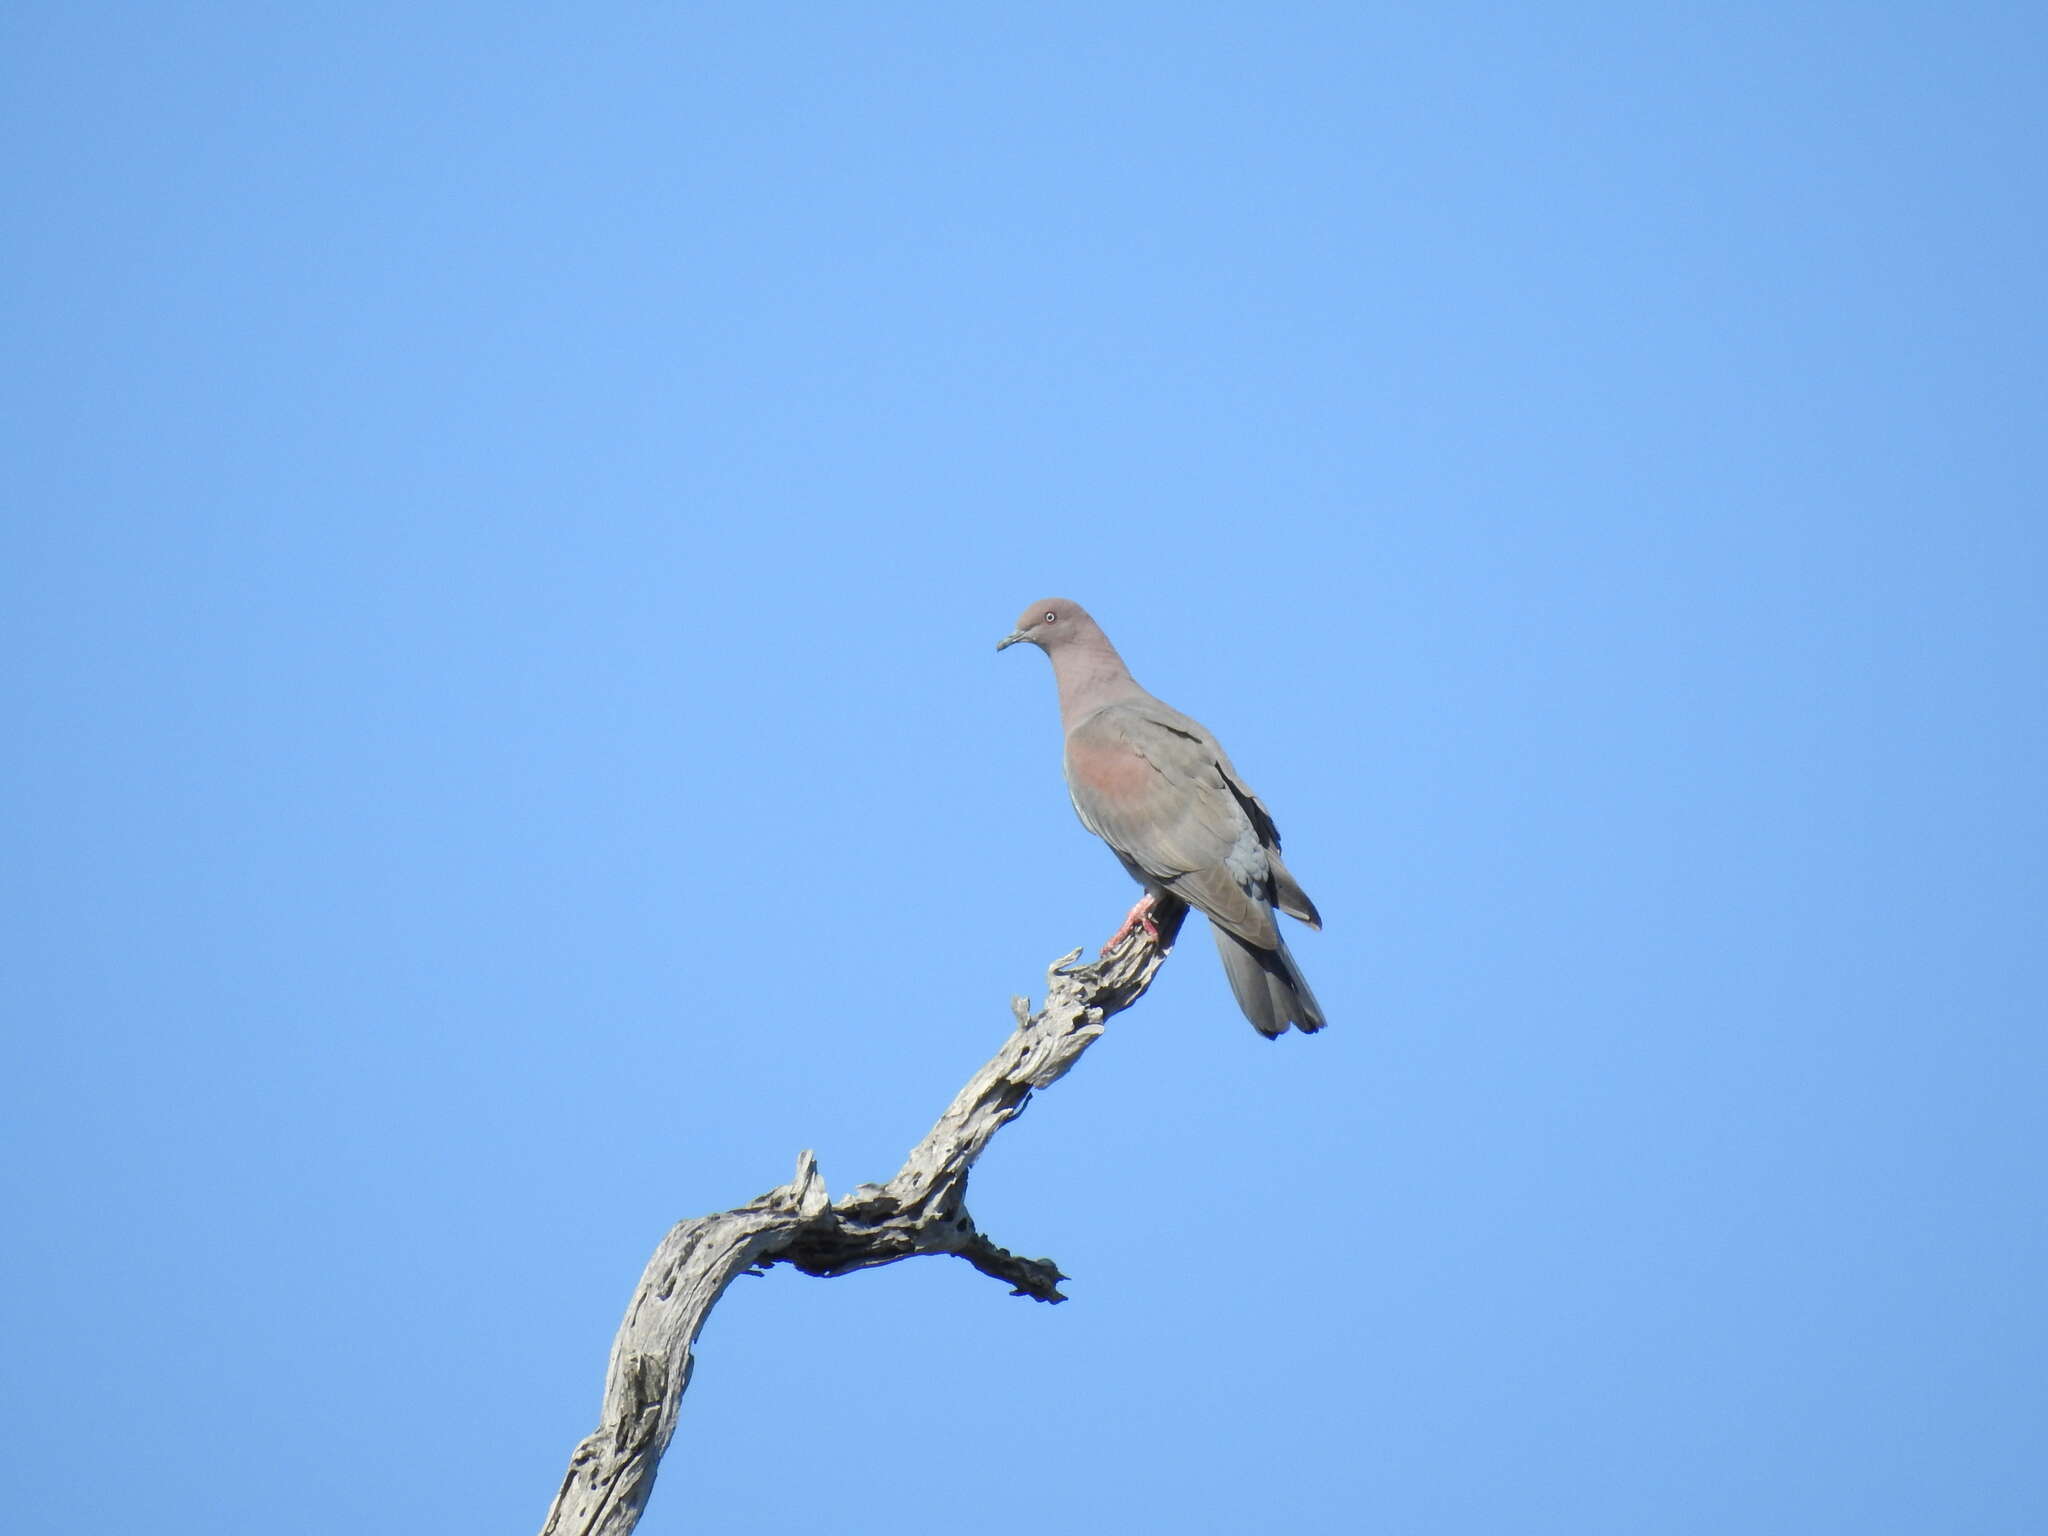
{"points": [[507, 514]]}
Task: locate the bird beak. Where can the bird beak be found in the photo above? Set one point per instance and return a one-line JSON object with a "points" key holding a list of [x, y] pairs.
{"points": [[1011, 639]]}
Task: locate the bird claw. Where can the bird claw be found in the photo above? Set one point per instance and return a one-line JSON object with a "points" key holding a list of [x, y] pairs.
{"points": [[1139, 916]]}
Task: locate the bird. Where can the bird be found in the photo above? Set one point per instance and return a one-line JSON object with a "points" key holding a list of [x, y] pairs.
{"points": [[1160, 790]]}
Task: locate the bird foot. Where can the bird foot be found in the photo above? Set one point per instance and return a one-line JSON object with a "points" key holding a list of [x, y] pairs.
{"points": [[1139, 916]]}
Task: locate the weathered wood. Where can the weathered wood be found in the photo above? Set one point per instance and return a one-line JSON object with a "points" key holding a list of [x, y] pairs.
{"points": [[921, 1210]]}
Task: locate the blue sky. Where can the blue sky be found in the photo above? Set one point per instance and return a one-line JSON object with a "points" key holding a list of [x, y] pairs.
{"points": [[507, 520]]}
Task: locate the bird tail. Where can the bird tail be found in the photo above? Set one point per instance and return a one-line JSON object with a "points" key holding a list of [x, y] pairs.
{"points": [[1268, 984]]}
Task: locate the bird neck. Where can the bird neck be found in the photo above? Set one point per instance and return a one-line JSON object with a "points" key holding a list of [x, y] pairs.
{"points": [[1090, 676]]}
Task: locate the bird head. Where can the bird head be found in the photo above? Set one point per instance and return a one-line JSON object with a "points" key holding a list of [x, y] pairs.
{"points": [[1048, 623]]}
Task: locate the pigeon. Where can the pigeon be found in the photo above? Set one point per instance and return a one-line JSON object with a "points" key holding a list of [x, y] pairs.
{"points": [[1158, 789]]}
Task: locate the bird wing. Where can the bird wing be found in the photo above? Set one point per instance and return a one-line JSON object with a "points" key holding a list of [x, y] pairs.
{"points": [[1155, 786]]}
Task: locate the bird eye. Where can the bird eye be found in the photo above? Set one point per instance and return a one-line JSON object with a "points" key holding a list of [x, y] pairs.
{"points": [[1051, 617]]}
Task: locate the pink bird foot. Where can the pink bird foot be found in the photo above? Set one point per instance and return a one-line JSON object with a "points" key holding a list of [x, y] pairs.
{"points": [[1139, 916]]}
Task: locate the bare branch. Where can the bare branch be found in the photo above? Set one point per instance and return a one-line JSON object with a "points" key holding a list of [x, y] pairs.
{"points": [[921, 1210]]}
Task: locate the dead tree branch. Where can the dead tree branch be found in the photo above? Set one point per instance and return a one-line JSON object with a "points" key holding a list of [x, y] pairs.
{"points": [[921, 1210]]}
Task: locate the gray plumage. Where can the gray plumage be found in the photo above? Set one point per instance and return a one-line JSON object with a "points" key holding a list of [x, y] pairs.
{"points": [[1157, 788]]}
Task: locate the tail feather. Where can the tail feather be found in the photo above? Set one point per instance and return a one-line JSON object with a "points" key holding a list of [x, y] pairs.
{"points": [[1269, 985]]}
